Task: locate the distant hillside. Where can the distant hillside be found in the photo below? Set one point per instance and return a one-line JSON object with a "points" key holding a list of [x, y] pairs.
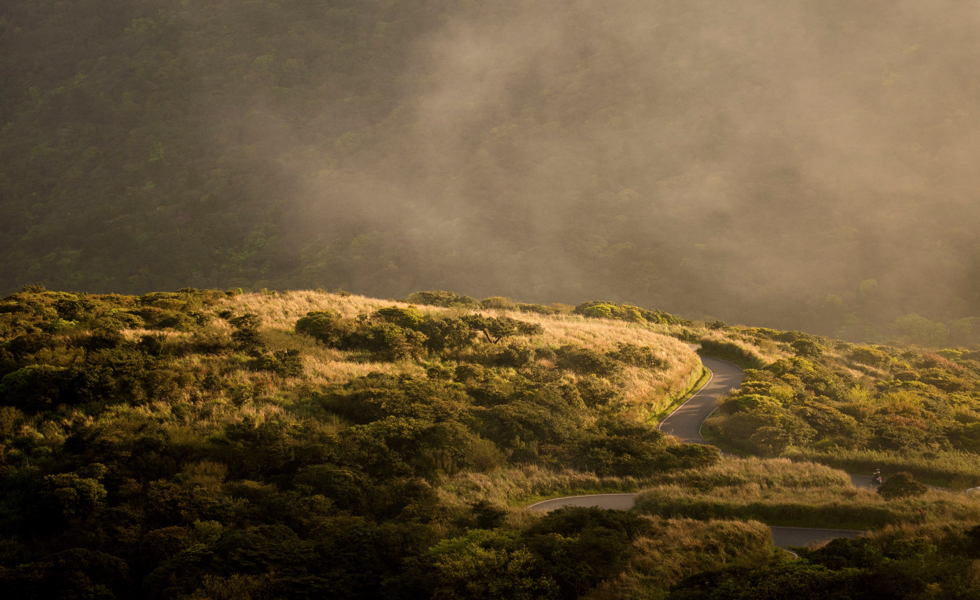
{"points": [[799, 165]]}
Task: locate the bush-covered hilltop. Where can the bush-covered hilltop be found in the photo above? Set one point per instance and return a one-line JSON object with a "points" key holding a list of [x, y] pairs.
{"points": [[195, 443]]}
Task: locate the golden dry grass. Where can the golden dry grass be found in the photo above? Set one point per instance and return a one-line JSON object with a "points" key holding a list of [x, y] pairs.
{"points": [[649, 390], [801, 504], [675, 548]]}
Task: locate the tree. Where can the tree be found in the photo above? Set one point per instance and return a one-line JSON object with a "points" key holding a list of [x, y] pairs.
{"points": [[498, 328]]}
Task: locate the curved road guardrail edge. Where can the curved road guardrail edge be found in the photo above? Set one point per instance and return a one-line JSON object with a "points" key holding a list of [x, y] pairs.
{"points": [[686, 422]]}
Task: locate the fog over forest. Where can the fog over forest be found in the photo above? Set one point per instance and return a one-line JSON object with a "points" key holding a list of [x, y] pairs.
{"points": [[803, 165]]}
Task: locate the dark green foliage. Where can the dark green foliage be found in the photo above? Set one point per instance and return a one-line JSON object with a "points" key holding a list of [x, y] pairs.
{"points": [[495, 329], [487, 515], [71, 495], [326, 327], [381, 337], [625, 312], [585, 361], [731, 352], [246, 333], [887, 568], [284, 363], [348, 488], [584, 546], [452, 334], [76, 574], [257, 450], [110, 446], [807, 348], [444, 299], [398, 333], [409, 318], [388, 342], [34, 387], [637, 356], [901, 485]]}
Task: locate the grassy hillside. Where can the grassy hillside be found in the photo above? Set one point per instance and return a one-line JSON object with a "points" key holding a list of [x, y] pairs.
{"points": [[139, 432], [205, 444], [799, 165]]}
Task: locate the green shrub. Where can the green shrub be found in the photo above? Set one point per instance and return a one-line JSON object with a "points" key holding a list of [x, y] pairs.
{"points": [[625, 312], [901, 485], [34, 387], [869, 355], [284, 363], [637, 356], [586, 361], [444, 299], [327, 327], [732, 352], [409, 318]]}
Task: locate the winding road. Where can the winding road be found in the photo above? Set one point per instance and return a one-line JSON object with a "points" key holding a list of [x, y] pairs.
{"points": [[685, 423]]}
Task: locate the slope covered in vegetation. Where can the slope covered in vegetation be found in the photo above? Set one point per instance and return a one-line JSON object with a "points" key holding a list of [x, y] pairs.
{"points": [[544, 150], [856, 407], [202, 442], [205, 444]]}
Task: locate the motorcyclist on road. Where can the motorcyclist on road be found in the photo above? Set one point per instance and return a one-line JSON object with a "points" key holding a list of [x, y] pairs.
{"points": [[876, 478]]}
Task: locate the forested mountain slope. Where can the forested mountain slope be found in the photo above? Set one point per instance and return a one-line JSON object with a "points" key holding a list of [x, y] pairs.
{"points": [[802, 165]]}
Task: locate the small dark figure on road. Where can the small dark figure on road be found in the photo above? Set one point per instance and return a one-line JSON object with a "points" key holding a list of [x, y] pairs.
{"points": [[876, 478]]}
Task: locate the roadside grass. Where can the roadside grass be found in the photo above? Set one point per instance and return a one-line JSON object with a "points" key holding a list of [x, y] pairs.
{"points": [[764, 472], [693, 388], [527, 484], [954, 470], [832, 507], [742, 353], [675, 548], [524, 485]]}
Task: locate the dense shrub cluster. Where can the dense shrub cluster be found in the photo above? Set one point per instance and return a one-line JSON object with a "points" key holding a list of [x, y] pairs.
{"points": [[833, 397], [396, 333], [174, 446], [626, 312], [904, 564]]}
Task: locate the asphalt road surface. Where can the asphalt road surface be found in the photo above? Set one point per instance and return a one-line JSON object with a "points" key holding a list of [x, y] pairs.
{"points": [[685, 423]]}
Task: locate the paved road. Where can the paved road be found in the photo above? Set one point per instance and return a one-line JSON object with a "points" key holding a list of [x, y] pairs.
{"points": [[685, 423], [608, 501], [784, 537], [863, 481]]}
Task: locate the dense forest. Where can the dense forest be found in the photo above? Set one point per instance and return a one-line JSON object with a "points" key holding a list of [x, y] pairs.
{"points": [[202, 444], [789, 164]]}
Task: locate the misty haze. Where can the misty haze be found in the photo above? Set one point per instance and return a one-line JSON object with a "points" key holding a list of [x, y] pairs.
{"points": [[489, 300], [806, 165]]}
